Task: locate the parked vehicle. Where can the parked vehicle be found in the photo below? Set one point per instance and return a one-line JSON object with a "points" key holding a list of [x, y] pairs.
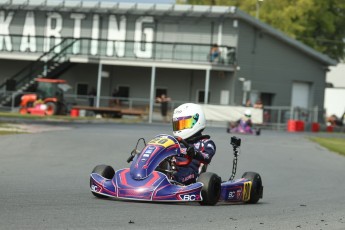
{"points": [[47, 99]]}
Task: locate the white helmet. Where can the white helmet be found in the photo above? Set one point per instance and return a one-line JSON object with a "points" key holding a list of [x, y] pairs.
{"points": [[188, 119], [248, 113]]}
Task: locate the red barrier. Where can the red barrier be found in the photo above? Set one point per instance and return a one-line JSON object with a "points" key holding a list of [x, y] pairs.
{"points": [[295, 126], [329, 129], [300, 126], [315, 127], [291, 126], [74, 112]]}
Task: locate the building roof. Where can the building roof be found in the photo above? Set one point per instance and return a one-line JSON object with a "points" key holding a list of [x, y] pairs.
{"points": [[160, 9], [283, 37]]}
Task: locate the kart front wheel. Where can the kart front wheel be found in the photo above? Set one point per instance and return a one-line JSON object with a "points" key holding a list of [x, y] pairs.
{"points": [[105, 171], [257, 188], [211, 190]]}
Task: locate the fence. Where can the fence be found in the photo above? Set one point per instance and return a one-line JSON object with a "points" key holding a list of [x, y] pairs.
{"points": [[274, 117]]}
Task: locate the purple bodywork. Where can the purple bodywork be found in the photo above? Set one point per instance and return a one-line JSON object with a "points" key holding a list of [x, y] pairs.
{"points": [[142, 182]]}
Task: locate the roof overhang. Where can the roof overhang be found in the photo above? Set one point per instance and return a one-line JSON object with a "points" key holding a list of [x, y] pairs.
{"points": [[102, 6]]}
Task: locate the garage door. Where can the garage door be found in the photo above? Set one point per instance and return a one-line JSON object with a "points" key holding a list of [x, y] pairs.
{"points": [[300, 94]]}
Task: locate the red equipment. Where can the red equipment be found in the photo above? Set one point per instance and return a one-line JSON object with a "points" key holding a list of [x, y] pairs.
{"points": [[48, 99]]}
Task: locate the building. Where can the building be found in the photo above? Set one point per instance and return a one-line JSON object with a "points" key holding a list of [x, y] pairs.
{"points": [[335, 94], [144, 50]]}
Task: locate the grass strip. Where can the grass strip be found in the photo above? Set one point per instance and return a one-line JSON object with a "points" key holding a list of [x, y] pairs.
{"points": [[333, 144], [6, 132]]}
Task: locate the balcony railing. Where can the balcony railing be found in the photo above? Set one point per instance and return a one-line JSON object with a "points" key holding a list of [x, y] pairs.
{"points": [[125, 50]]}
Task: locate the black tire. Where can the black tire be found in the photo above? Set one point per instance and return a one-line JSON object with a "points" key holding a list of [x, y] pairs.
{"points": [[258, 132], [211, 190], [105, 171], [62, 109], [257, 188]]}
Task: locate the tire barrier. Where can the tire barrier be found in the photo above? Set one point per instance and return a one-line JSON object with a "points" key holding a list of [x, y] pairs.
{"points": [[295, 126], [301, 126]]}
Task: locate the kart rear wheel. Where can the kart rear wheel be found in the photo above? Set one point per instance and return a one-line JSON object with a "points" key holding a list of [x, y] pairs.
{"points": [[257, 188], [211, 190], [105, 171]]}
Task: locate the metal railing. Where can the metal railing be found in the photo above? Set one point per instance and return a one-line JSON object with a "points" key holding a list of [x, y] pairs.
{"points": [[42, 67], [131, 50], [42, 64], [274, 117]]}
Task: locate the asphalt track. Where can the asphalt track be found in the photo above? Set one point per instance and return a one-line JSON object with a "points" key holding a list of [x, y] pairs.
{"points": [[44, 182]]}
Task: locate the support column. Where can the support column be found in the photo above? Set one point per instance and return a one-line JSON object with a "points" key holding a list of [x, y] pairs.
{"points": [[220, 33], [207, 85], [152, 92], [99, 82]]}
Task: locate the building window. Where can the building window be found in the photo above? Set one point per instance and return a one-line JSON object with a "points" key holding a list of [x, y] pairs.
{"points": [[82, 89], [201, 96], [123, 91]]}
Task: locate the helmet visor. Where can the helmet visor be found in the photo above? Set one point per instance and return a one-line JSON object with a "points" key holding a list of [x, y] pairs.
{"points": [[184, 122]]}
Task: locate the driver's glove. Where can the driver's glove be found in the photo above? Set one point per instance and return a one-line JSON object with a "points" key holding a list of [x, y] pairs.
{"points": [[191, 151]]}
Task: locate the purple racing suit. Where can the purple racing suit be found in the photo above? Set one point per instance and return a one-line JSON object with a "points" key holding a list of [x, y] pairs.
{"points": [[204, 151], [243, 127]]}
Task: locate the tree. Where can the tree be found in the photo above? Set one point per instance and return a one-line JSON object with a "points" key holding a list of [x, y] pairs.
{"points": [[319, 24]]}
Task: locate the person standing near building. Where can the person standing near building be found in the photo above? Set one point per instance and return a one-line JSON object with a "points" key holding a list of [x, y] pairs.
{"points": [[164, 101], [214, 53], [92, 95], [115, 100], [258, 104]]}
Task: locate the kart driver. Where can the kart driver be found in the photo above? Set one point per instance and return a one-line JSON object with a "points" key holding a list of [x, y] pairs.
{"points": [[246, 120], [244, 125], [188, 123]]}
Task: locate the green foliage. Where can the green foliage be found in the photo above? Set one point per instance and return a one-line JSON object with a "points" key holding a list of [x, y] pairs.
{"points": [[319, 24]]}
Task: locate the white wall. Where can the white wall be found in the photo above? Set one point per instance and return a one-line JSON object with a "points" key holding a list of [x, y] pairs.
{"points": [[335, 101], [230, 113], [335, 97], [336, 75]]}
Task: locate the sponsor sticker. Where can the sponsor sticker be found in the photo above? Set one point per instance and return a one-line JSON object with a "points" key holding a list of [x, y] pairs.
{"points": [[247, 187], [188, 197], [95, 188], [162, 140], [231, 195]]}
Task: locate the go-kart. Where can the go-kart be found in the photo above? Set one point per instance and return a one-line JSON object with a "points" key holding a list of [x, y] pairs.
{"points": [[150, 177], [242, 127]]}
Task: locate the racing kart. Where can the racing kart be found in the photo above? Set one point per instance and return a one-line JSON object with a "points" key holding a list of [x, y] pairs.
{"points": [[150, 177], [241, 127]]}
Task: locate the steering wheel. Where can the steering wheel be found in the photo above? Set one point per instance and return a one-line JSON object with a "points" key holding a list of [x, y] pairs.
{"points": [[189, 158]]}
